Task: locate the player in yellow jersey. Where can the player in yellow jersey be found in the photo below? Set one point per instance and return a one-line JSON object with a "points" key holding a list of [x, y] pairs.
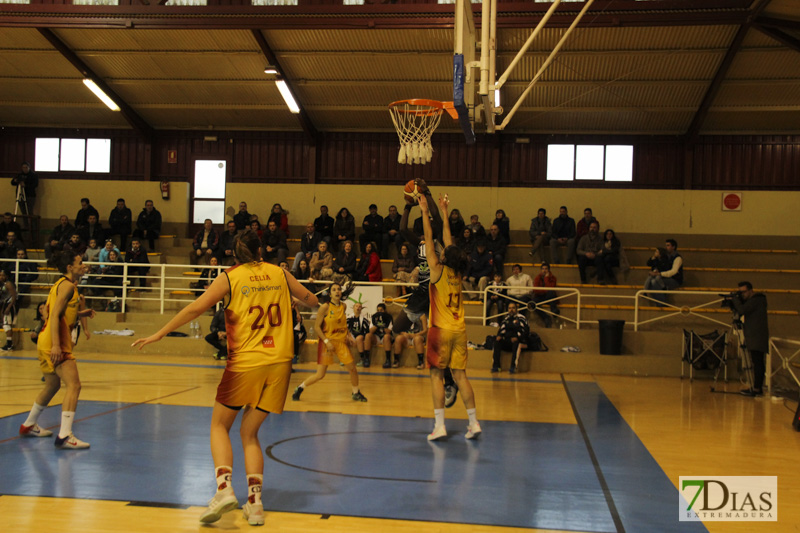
{"points": [[258, 322], [447, 332], [55, 352], [334, 339]]}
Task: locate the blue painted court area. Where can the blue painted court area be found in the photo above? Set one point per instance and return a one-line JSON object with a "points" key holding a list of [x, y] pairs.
{"points": [[518, 474]]}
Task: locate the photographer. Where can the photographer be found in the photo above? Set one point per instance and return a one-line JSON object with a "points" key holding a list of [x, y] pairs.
{"points": [[29, 181], [753, 307]]}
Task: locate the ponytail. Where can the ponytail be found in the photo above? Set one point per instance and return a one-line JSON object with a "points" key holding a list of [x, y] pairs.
{"points": [[247, 246]]}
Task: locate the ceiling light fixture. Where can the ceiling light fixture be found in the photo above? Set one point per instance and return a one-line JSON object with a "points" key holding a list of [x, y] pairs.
{"points": [[287, 96], [269, 69], [98, 92]]}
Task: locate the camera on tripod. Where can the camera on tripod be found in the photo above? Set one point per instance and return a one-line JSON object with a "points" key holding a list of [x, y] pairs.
{"points": [[727, 299]]}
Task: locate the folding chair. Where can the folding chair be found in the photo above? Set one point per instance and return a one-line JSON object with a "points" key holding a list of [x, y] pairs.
{"points": [[705, 352]]}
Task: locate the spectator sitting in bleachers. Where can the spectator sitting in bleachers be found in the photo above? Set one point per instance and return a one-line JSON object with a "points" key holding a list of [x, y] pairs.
{"points": [[563, 234], [344, 228], [137, 255], [110, 276], [274, 241], [520, 284], [457, 223], [148, 225], [546, 278], [242, 219], [666, 270], [497, 246], [226, 256], [205, 244], [404, 268], [75, 245], [391, 231], [207, 276], [324, 224], [466, 241], [8, 226], [611, 252], [82, 218], [92, 230], [308, 245], [540, 231], [321, 263], [109, 247], [8, 249], [58, 237], [28, 272], [255, 225], [120, 222], [303, 274], [369, 266], [281, 218], [582, 228], [476, 227], [591, 252], [92, 255], [344, 264], [495, 297], [373, 228], [504, 224], [480, 270]]}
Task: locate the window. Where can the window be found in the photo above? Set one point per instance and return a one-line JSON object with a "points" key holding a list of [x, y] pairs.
{"points": [[589, 162], [73, 155], [208, 198]]}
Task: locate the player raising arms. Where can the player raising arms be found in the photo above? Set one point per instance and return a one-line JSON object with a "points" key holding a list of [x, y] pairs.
{"points": [[447, 334], [334, 338], [258, 320], [55, 352]]}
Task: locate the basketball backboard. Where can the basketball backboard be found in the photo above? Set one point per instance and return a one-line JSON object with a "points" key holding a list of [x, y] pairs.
{"points": [[465, 71]]}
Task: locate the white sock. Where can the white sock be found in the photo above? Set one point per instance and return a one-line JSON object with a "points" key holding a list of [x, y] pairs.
{"points": [[355, 390], [254, 484], [33, 416], [66, 423], [302, 385], [438, 416], [473, 418], [223, 475]]}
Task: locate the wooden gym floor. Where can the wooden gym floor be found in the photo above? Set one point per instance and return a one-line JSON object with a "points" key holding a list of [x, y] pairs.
{"points": [[558, 453]]}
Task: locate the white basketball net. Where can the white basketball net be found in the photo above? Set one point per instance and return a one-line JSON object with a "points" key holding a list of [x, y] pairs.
{"points": [[415, 121]]}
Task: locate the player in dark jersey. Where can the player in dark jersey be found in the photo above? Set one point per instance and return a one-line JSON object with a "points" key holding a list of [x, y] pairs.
{"points": [[419, 300], [358, 327], [379, 333]]}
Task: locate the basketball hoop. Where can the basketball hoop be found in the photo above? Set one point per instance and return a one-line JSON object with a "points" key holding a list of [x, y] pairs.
{"points": [[415, 121]]}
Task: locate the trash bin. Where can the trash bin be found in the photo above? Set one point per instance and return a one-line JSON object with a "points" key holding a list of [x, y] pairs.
{"points": [[611, 336]]}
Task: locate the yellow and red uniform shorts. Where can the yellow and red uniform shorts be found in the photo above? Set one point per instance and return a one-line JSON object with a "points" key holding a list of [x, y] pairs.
{"points": [[47, 365], [264, 387], [446, 349], [341, 349]]}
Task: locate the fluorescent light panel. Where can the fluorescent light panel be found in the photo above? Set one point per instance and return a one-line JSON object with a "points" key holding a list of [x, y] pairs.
{"points": [[100, 94], [270, 70], [287, 96]]}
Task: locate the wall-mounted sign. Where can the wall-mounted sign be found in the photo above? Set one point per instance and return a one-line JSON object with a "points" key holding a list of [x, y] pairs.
{"points": [[731, 201], [172, 156]]}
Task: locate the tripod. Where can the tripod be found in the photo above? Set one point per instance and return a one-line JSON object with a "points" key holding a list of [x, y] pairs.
{"points": [[742, 354], [21, 206]]}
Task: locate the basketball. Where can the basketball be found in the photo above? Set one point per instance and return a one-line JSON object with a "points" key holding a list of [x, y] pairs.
{"points": [[411, 191]]}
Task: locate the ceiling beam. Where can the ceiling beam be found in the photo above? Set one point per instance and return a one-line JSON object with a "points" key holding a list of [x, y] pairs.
{"points": [[780, 36], [397, 15], [136, 122], [305, 121]]}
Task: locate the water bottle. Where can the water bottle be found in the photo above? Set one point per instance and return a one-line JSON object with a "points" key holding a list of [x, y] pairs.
{"points": [[194, 329]]}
